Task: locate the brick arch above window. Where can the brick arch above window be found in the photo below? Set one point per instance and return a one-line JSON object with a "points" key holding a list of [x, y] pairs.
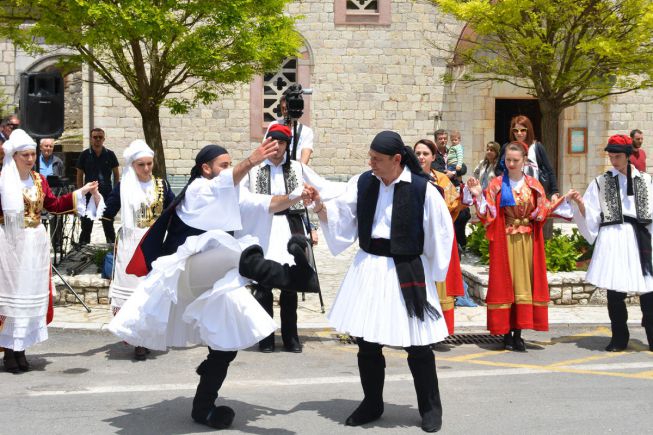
{"points": [[362, 12], [266, 90]]}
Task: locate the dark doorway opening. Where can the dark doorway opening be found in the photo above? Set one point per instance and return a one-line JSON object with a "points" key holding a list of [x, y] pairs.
{"points": [[505, 109]]}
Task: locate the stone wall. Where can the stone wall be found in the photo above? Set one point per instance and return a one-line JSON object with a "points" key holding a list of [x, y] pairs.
{"points": [[565, 288], [90, 287], [8, 77]]}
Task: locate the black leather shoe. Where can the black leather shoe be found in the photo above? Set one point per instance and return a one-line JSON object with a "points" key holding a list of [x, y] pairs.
{"points": [[508, 343], [23, 365], [612, 347], [518, 344], [9, 361], [293, 346], [365, 413], [219, 417], [267, 344], [431, 422], [140, 353]]}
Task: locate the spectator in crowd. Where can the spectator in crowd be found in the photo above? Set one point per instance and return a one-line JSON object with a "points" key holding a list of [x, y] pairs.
{"points": [[48, 163], [7, 125], [455, 152], [440, 162], [305, 142], [537, 164], [484, 172], [638, 157], [97, 163]]}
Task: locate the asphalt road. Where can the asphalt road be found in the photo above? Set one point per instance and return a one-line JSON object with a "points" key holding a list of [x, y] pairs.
{"points": [[86, 383]]}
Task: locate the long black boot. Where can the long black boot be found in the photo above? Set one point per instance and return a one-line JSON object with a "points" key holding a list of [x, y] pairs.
{"points": [[264, 297], [422, 365], [299, 277], [518, 342], [288, 304], [212, 373], [371, 366], [9, 360], [618, 321], [646, 304]]}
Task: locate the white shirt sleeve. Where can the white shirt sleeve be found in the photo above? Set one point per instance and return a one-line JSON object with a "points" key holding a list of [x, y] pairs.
{"points": [[590, 224], [438, 234], [341, 230], [328, 189]]}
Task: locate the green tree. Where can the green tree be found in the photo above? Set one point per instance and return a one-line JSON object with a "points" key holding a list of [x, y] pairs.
{"points": [[156, 53], [562, 52]]}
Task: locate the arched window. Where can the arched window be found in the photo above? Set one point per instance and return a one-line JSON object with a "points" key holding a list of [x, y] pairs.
{"points": [[371, 12], [265, 92]]}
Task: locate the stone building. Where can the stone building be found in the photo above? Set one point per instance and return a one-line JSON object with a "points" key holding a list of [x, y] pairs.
{"points": [[372, 66]]}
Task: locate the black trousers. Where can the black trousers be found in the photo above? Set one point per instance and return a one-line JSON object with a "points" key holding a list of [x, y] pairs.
{"points": [[619, 314], [87, 229], [288, 310], [460, 224], [421, 362]]}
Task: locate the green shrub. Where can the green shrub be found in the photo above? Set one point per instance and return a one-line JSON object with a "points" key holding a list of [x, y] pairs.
{"points": [[580, 244], [561, 253], [98, 256], [478, 244]]}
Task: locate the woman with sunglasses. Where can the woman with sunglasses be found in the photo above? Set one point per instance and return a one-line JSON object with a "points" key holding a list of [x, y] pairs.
{"points": [[537, 163]]}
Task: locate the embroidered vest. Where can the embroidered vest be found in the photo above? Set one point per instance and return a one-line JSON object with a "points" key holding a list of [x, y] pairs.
{"points": [[261, 183], [610, 198], [150, 213], [407, 221]]}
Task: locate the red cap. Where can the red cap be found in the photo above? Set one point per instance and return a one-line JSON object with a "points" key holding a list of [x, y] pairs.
{"points": [[620, 143], [279, 132]]}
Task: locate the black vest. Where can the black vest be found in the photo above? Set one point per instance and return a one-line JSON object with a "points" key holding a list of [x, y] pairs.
{"points": [[407, 224]]}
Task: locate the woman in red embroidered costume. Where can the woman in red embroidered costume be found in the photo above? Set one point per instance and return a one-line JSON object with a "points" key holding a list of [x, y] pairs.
{"points": [[25, 293], [453, 285], [513, 209]]}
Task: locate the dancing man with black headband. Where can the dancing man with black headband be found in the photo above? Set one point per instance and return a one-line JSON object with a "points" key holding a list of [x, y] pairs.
{"points": [[616, 215], [194, 292], [388, 296]]}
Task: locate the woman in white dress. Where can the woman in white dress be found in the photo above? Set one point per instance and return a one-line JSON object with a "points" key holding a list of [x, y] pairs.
{"points": [[140, 198], [25, 293], [615, 214]]}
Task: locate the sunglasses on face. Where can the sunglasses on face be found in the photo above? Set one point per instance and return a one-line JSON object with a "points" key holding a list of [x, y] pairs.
{"points": [[13, 126], [97, 137], [520, 130]]}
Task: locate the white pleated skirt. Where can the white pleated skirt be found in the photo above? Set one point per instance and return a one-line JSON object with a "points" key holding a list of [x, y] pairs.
{"points": [[195, 296], [615, 263], [123, 285], [370, 305], [24, 288]]}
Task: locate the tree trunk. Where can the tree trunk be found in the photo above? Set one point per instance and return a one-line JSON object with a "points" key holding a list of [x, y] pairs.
{"points": [[550, 120], [152, 132]]}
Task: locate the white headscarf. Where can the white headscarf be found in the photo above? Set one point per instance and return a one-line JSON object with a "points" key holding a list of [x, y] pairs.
{"points": [[131, 192], [11, 186]]}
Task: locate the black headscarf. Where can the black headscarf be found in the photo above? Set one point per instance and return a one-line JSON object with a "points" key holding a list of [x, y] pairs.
{"points": [[206, 154], [390, 143]]}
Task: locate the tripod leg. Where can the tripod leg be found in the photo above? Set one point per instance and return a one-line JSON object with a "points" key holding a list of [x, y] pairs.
{"points": [[71, 289]]}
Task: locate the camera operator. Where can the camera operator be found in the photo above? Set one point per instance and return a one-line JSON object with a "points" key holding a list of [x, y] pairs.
{"points": [[305, 133]]}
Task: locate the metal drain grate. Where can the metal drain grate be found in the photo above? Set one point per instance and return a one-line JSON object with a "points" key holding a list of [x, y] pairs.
{"points": [[473, 339]]}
